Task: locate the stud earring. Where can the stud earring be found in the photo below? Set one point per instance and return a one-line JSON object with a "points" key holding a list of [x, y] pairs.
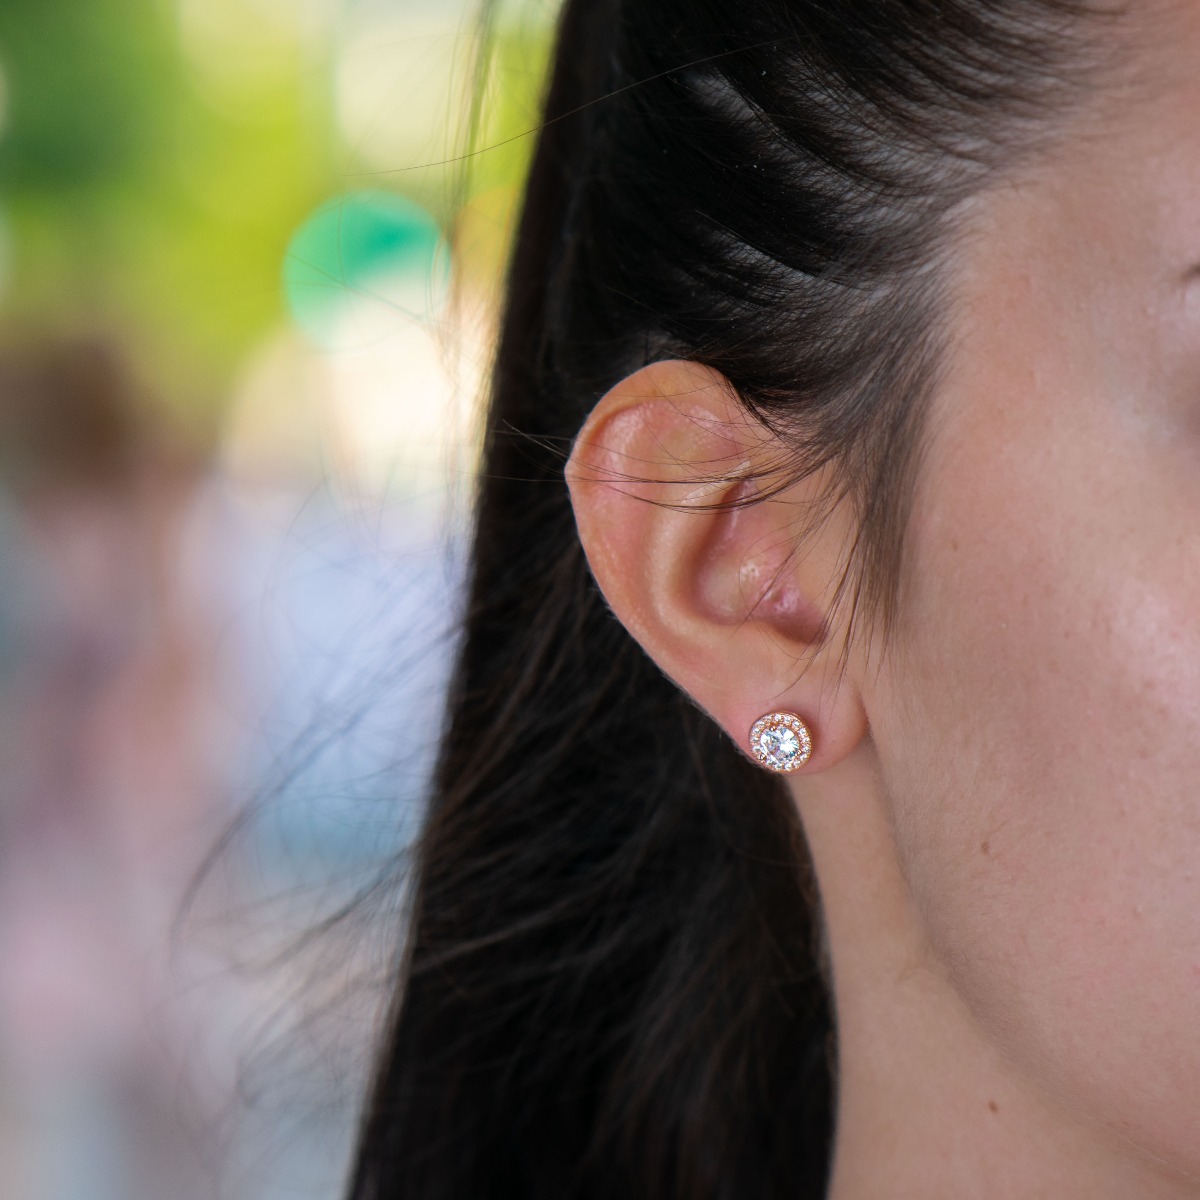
{"points": [[781, 742]]}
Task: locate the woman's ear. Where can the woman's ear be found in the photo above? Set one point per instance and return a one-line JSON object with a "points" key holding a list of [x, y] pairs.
{"points": [[731, 599]]}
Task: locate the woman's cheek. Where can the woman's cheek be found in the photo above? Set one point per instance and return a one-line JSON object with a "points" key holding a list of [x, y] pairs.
{"points": [[1043, 765]]}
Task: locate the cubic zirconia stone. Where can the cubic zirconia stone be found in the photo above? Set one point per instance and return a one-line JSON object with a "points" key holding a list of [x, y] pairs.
{"points": [[781, 746]]}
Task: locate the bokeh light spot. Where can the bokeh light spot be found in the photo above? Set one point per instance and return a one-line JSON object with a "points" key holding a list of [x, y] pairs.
{"points": [[365, 249]]}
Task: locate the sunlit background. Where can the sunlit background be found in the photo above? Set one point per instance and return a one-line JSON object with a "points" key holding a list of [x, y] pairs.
{"points": [[250, 253]]}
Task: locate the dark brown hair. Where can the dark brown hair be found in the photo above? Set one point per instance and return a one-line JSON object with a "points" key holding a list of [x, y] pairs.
{"points": [[611, 983]]}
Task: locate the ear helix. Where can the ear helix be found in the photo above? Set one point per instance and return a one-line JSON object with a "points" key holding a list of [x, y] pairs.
{"points": [[781, 742]]}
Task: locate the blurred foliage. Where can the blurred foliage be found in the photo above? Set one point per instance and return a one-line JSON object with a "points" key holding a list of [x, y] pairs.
{"points": [[77, 82], [135, 205], [141, 201]]}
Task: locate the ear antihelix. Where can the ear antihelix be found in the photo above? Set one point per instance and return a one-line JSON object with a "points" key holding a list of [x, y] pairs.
{"points": [[781, 742]]}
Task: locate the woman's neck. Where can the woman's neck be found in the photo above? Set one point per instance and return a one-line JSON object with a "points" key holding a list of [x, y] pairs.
{"points": [[928, 1107]]}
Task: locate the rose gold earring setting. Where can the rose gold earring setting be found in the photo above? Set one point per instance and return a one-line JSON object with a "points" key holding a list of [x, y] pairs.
{"points": [[781, 742]]}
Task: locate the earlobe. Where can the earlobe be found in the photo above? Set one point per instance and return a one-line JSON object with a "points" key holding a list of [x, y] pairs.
{"points": [[709, 580]]}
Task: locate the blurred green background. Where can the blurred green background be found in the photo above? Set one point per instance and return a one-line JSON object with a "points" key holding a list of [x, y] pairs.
{"points": [[158, 157]]}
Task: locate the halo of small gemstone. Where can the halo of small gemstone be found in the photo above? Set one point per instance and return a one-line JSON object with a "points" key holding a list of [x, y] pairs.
{"points": [[780, 741]]}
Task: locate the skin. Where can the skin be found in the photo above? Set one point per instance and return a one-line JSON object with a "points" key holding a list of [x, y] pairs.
{"points": [[1003, 804]]}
